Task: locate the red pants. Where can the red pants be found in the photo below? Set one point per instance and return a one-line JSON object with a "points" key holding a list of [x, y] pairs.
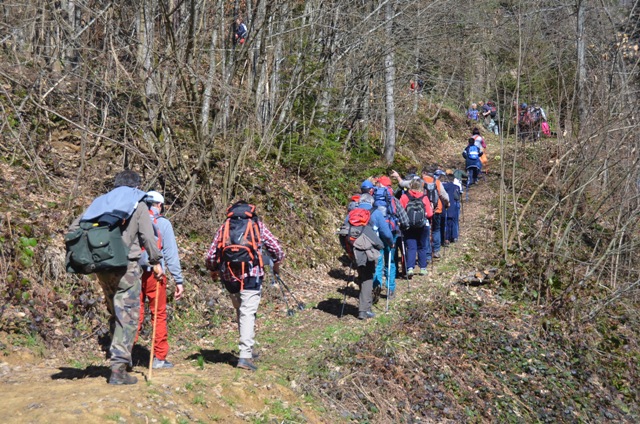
{"points": [[149, 284]]}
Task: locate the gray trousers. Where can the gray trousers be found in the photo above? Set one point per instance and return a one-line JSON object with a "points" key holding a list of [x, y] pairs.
{"points": [[365, 279], [246, 303]]}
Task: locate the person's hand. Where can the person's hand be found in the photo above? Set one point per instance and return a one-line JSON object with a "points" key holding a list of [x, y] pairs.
{"points": [[215, 275], [178, 293], [158, 271], [276, 267]]}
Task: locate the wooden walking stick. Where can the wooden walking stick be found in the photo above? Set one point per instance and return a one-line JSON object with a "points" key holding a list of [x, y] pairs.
{"points": [[153, 335]]}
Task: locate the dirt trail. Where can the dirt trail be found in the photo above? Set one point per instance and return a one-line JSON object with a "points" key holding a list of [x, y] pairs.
{"points": [[51, 390]]}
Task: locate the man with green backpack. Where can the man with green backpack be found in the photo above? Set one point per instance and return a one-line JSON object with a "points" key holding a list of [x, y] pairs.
{"points": [[106, 240]]}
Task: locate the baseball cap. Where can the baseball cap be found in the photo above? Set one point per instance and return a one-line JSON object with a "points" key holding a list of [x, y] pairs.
{"points": [[155, 197], [385, 181], [366, 185]]}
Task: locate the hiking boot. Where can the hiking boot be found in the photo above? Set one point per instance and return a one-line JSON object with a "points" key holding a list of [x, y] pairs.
{"points": [[366, 315], [119, 375], [410, 272], [436, 255], [423, 272], [157, 363], [391, 295], [246, 364]]}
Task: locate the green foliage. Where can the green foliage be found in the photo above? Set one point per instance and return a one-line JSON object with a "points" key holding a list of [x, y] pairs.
{"points": [[25, 251], [199, 400], [200, 362], [322, 161]]}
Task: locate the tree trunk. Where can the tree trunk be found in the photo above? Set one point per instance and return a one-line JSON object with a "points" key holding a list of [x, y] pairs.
{"points": [[581, 67], [390, 77]]}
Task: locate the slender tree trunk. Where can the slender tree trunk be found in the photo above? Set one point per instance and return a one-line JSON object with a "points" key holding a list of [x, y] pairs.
{"points": [[390, 77], [581, 67]]}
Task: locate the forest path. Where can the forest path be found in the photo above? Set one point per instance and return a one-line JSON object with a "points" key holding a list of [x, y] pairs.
{"points": [[204, 386]]}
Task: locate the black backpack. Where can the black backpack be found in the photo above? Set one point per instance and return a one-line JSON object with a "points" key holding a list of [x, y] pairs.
{"points": [[97, 246], [432, 192], [416, 211], [240, 245]]}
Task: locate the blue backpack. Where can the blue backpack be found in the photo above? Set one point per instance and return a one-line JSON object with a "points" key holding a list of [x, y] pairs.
{"points": [[473, 153], [383, 200]]}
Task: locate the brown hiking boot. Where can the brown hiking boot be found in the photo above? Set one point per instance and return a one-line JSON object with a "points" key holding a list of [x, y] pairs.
{"points": [[119, 375]]}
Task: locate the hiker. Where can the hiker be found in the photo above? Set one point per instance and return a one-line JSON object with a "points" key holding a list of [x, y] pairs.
{"points": [[438, 174], [241, 31], [242, 273], [490, 115], [481, 144], [439, 202], [416, 236], [472, 113], [452, 226], [458, 176], [121, 286], [396, 217], [403, 183], [537, 117], [523, 122], [472, 155], [420, 85], [438, 198], [155, 288], [364, 247]]}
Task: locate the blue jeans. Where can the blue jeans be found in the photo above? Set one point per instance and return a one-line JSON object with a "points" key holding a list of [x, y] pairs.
{"points": [[493, 127], [417, 242], [382, 267], [435, 229]]}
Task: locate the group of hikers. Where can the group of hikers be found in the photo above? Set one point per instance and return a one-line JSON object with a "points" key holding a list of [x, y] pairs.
{"points": [[386, 227], [531, 122], [485, 112], [124, 238]]}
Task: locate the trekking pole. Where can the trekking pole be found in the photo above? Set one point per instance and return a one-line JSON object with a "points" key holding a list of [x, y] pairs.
{"points": [[388, 283], [404, 260], [300, 304], [290, 312], [153, 332]]}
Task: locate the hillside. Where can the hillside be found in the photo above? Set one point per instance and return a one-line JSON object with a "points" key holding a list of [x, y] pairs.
{"points": [[447, 351]]}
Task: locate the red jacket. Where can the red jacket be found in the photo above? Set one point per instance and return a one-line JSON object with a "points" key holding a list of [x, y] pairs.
{"points": [[404, 201]]}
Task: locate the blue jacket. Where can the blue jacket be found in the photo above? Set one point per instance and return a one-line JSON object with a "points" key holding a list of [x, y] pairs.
{"points": [[171, 260], [472, 163], [378, 223], [118, 204]]}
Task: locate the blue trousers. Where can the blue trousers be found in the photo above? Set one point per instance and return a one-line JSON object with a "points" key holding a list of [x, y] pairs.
{"points": [[437, 223], [382, 267], [417, 241]]}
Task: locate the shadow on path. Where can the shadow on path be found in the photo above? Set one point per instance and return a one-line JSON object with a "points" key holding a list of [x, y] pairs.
{"points": [[92, 371]]}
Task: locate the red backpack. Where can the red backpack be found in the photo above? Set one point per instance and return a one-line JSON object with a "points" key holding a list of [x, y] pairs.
{"points": [[240, 242], [357, 220]]}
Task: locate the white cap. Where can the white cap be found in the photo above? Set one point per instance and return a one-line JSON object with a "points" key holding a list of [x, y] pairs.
{"points": [[154, 197]]}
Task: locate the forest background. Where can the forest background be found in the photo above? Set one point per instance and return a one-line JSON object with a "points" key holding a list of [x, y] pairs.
{"points": [[316, 99]]}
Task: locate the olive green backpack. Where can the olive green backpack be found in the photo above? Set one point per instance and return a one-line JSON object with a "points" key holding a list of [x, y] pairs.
{"points": [[95, 247]]}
